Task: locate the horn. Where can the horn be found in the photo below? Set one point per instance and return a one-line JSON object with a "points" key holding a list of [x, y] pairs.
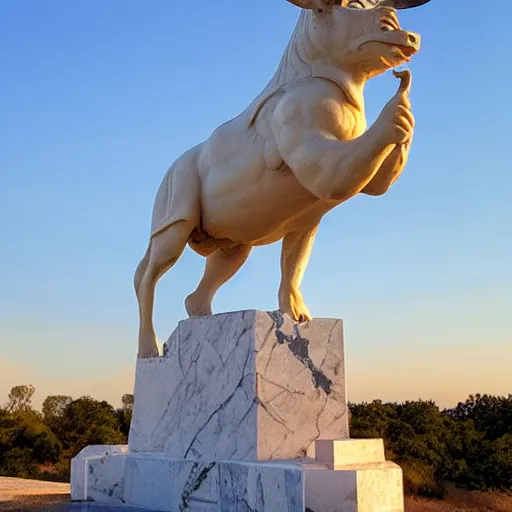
{"points": [[402, 4], [315, 4], [304, 4]]}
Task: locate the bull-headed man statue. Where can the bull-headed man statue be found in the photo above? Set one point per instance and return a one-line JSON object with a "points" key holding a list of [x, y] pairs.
{"points": [[300, 148]]}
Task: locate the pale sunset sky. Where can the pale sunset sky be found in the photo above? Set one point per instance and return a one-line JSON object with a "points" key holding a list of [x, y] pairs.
{"points": [[97, 99]]}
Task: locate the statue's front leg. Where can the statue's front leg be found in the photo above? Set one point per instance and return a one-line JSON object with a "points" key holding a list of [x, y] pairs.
{"points": [[295, 255]]}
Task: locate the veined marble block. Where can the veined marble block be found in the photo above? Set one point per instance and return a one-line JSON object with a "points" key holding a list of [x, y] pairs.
{"points": [[79, 467], [250, 386], [156, 482], [153, 481]]}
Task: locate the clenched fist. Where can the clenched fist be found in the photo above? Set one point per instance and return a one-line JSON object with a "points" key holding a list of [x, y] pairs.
{"points": [[395, 124]]}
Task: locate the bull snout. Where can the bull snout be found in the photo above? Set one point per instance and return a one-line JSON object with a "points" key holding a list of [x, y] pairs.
{"points": [[407, 42], [413, 40], [389, 23]]}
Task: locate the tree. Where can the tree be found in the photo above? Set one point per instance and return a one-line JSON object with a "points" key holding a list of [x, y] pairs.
{"points": [[20, 398], [25, 442], [124, 414], [416, 435], [53, 406], [53, 410], [87, 421], [492, 469], [492, 415], [127, 402], [370, 420]]}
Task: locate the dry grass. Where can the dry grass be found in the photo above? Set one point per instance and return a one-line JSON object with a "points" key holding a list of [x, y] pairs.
{"points": [[462, 501]]}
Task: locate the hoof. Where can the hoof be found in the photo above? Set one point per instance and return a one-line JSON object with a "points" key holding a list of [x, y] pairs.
{"points": [[197, 307], [148, 348], [293, 305]]}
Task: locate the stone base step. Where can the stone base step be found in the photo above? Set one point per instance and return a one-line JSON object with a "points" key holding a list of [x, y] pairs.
{"points": [[157, 482]]}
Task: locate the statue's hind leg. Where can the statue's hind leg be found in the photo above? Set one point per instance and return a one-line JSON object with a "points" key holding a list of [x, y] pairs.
{"points": [[221, 266], [164, 250], [141, 269]]}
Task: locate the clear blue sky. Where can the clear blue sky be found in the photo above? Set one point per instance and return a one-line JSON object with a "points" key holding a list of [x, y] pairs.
{"points": [[98, 98]]}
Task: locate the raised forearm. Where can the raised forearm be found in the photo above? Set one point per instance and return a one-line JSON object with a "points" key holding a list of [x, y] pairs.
{"points": [[345, 168], [316, 144], [389, 172]]}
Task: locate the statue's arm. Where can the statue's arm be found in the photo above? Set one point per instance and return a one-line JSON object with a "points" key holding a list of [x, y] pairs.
{"points": [[311, 129], [395, 163], [389, 171]]}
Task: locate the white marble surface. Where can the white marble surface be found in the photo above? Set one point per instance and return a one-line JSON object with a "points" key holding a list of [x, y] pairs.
{"points": [[331, 491], [358, 488], [261, 487], [301, 388], [380, 488], [345, 452], [163, 483], [199, 400], [105, 479], [246, 386], [79, 467], [155, 481]]}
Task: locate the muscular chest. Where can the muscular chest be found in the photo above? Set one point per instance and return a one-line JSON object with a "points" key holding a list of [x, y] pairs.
{"points": [[347, 122]]}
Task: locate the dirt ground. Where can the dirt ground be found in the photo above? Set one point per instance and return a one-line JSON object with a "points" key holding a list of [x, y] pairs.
{"points": [[31, 495]]}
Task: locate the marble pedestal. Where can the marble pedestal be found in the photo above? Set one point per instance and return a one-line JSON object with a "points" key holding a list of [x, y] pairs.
{"points": [[243, 386], [244, 412]]}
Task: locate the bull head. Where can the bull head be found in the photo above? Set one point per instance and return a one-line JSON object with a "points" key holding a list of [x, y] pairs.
{"points": [[361, 37], [361, 4]]}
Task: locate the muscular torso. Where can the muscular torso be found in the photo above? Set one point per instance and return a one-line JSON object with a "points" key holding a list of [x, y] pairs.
{"points": [[241, 198]]}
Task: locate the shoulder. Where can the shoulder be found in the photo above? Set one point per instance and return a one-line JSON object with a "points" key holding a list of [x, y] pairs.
{"points": [[315, 101]]}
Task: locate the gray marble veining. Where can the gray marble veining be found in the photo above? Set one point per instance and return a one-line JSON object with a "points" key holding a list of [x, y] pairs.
{"points": [[260, 487], [157, 482], [247, 385]]}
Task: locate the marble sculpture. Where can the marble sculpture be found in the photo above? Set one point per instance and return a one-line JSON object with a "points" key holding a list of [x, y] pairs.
{"points": [[300, 149], [247, 411]]}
